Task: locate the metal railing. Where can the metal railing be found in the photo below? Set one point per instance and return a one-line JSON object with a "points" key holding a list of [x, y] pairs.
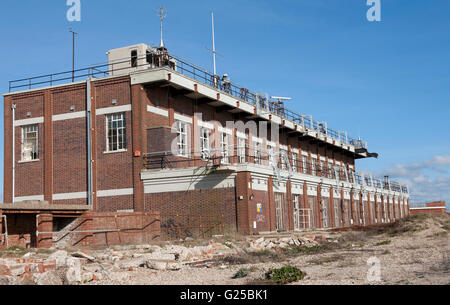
{"points": [[184, 67], [170, 226], [312, 166]]}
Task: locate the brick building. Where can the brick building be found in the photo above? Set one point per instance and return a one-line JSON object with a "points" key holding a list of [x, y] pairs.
{"points": [[151, 133], [437, 207]]}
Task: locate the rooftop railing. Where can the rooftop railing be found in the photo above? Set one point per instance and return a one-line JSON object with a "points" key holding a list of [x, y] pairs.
{"points": [[308, 166], [164, 59]]}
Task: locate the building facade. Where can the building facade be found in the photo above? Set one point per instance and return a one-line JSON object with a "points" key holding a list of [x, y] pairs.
{"points": [[151, 133]]}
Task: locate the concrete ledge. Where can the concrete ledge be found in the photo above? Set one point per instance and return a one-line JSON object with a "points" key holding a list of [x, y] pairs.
{"points": [[27, 206]]}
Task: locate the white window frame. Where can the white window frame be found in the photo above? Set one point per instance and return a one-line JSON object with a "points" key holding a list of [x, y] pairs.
{"points": [[283, 160], [205, 142], [182, 139], [294, 161], [305, 164], [35, 149], [258, 159], [225, 146], [241, 150], [123, 127], [313, 167], [270, 153], [323, 167]]}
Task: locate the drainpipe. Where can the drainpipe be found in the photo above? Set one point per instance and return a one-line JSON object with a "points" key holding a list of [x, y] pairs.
{"points": [[89, 142], [13, 151]]}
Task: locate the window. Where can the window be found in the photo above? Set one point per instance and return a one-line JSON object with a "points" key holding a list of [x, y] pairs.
{"points": [[313, 167], [294, 162], [224, 146], [182, 139], [204, 142], [257, 153], [241, 150], [305, 164], [30, 143], [116, 127], [283, 156], [134, 59], [323, 168], [270, 152]]}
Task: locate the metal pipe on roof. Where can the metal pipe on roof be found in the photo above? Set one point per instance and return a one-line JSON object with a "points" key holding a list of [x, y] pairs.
{"points": [[13, 151], [89, 142]]}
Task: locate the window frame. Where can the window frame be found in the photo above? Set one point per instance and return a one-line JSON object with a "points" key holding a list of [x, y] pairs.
{"points": [[258, 156], [124, 135], [182, 148], [241, 150], [225, 147], [34, 152], [294, 161], [205, 143]]}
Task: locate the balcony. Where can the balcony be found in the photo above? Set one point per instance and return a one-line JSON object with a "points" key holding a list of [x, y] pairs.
{"points": [[281, 164]]}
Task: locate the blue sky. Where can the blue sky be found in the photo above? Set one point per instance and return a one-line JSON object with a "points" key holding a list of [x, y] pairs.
{"points": [[387, 81]]}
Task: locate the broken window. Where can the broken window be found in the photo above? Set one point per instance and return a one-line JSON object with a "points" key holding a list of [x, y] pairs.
{"points": [[305, 164], [134, 59], [204, 141], [294, 161], [283, 155], [270, 152], [30, 143], [116, 131], [224, 146], [241, 150], [182, 139], [257, 153]]}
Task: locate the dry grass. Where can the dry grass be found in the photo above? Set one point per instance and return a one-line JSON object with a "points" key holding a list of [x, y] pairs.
{"points": [[327, 259]]}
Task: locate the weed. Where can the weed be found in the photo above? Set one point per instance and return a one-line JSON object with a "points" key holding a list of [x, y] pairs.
{"points": [[328, 259], [244, 272], [44, 251], [383, 243], [386, 252], [294, 250], [285, 275], [229, 245]]}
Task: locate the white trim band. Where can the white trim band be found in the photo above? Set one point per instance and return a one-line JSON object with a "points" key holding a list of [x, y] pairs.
{"points": [[183, 118], [68, 196], [157, 111], [32, 121], [205, 125], [69, 116], [116, 109], [114, 193], [29, 198]]}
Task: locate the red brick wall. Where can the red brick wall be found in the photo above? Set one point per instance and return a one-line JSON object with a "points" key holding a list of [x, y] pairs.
{"points": [[114, 204], [114, 170], [221, 201], [29, 179], [69, 156]]}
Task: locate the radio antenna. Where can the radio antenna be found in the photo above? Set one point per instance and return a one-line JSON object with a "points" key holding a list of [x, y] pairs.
{"points": [[162, 13], [213, 51]]}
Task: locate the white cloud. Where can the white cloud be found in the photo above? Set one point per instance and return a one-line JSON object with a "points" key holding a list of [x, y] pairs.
{"points": [[428, 180], [443, 160]]}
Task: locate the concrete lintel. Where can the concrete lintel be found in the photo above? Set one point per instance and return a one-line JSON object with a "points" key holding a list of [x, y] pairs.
{"points": [[29, 206]]}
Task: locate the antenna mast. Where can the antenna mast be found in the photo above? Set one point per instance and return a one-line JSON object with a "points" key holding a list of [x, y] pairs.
{"points": [[73, 53], [214, 43], [162, 14]]}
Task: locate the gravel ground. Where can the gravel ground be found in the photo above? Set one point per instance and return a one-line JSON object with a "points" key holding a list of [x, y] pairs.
{"points": [[414, 252], [419, 256]]}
